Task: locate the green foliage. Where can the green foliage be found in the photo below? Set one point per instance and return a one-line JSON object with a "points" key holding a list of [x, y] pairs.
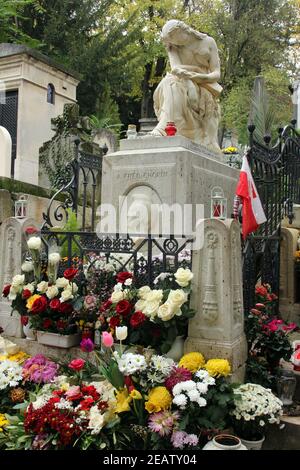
{"points": [[11, 14], [71, 225]]}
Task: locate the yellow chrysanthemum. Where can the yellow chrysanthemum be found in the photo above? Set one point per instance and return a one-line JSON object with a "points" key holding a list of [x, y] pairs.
{"points": [[31, 301], [159, 399], [19, 357], [3, 357], [123, 400], [135, 395], [218, 367], [192, 361], [3, 422]]}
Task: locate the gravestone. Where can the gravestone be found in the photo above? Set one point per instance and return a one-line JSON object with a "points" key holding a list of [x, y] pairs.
{"points": [[217, 330], [12, 248]]}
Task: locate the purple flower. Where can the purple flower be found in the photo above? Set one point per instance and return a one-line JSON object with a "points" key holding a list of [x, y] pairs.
{"points": [[191, 440], [87, 345], [177, 439]]}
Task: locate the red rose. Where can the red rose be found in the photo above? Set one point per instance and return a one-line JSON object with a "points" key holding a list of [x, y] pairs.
{"points": [[31, 230], [61, 324], [70, 273], [24, 320], [137, 319], [77, 364], [26, 294], [114, 321], [39, 305], [47, 323], [54, 304], [65, 308], [106, 305], [6, 290], [123, 275], [123, 308]]}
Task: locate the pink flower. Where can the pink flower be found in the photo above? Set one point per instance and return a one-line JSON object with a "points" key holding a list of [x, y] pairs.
{"points": [[290, 327], [177, 439], [107, 339], [77, 364], [163, 422]]}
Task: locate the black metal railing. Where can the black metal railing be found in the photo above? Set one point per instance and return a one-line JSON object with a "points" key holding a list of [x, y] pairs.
{"points": [[276, 172]]}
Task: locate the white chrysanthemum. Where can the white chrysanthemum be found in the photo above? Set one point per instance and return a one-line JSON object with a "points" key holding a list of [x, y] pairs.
{"points": [[180, 400], [162, 364], [202, 374], [188, 385], [201, 402], [177, 389], [202, 387], [64, 404], [130, 363], [193, 395], [10, 374]]}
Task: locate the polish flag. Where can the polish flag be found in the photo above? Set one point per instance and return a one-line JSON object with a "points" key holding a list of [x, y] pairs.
{"points": [[253, 213]]}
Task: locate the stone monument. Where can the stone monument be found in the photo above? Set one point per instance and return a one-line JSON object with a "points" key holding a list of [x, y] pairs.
{"points": [[188, 95], [217, 330]]}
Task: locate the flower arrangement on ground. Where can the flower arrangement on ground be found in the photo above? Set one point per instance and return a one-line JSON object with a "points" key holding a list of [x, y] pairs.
{"points": [[268, 339], [154, 317], [255, 408]]}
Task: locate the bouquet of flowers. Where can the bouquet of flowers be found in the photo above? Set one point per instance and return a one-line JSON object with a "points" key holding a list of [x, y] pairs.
{"points": [[50, 304], [255, 407], [154, 317]]}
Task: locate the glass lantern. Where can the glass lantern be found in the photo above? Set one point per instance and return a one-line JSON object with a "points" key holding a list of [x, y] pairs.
{"points": [[21, 207], [218, 204], [286, 386]]}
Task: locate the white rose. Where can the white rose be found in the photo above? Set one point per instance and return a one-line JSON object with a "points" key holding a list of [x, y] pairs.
{"points": [[66, 295], [140, 305], [143, 291], [177, 297], [151, 309], [29, 287], [118, 287], [13, 293], [27, 266], [34, 243], [42, 287], [128, 282], [54, 258], [117, 296], [154, 296], [166, 312], [121, 332], [18, 280], [183, 277], [62, 282], [52, 292], [73, 287]]}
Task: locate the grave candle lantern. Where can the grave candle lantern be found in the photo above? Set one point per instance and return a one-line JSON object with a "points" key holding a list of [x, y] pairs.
{"points": [[218, 204], [21, 207]]}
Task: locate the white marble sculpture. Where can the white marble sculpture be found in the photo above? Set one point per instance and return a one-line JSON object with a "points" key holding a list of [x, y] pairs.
{"points": [[188, 95]]}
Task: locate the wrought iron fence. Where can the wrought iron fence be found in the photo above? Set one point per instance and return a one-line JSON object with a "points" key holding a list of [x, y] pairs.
{"points": [[276, 172]]}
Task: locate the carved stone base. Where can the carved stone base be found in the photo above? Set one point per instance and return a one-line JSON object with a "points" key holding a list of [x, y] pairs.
{"points": [[11, 324], [235, 352]]}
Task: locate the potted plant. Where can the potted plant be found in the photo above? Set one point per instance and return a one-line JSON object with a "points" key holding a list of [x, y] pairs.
{"points": [[255, 408]]}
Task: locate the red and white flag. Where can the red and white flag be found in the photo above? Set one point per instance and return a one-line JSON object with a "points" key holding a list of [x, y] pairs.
{"points": [[253, 213]]}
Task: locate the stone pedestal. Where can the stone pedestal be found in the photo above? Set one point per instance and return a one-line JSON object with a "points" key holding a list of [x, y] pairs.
{"points": [[217, 330], [169, 170]]}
